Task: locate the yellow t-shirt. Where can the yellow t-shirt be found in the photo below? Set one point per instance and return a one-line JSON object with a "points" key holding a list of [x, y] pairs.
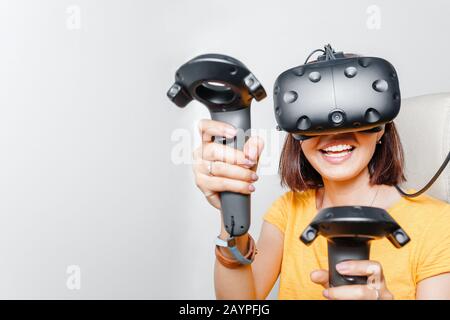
{"points": [[424, 218]]}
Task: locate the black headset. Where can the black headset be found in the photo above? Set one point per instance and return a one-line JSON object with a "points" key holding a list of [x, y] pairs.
{"points": [[336, 93]]}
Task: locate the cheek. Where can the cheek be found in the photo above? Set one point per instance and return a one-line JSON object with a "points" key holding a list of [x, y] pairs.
{"points": [[309, 149], [362, 157]]}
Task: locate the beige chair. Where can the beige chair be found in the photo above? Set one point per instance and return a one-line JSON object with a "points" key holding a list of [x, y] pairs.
{"points": [[424, 126]]}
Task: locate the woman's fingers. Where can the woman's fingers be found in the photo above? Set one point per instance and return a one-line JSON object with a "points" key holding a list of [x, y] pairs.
{"points": [[360, 268], [218, 167], [371, 269], [374, 289], [208, 183], [351, 292], [320, 277], [223, 153], [226, 170], [210, 128]]}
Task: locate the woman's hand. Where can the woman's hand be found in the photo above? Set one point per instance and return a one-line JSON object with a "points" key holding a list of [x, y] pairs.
{"points": [[220, 168], [375, 289]]}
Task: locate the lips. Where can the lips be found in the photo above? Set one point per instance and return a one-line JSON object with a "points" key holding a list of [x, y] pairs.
{"points": [[337, 141], [336, 152], [337, 148], [337, 157]]}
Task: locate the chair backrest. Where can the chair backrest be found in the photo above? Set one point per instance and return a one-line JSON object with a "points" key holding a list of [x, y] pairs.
{"points": [[424, 127]]}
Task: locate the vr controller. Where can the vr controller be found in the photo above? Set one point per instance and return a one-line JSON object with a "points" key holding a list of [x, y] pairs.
{"points": [[336, 94], [349, 231], [226, 87]]}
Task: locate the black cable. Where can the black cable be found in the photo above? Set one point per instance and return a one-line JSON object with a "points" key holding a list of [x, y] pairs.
{"points": [[309, 56], [327, 51], [428, 185]]}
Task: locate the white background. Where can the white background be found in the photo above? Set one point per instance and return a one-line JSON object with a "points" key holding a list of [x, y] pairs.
{"points": [[87, 172]]}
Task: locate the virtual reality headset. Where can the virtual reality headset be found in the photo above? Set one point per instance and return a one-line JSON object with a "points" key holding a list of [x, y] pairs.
{"points": [[337, 93]]}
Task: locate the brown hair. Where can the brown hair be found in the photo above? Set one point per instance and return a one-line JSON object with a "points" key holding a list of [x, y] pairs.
{"points": [[385, 167]]}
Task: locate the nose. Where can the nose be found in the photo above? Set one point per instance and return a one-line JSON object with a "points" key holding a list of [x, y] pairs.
{"points": [[340, 136]]}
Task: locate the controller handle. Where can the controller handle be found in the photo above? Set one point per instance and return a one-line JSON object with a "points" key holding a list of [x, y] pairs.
{"points": [[235, 206], [342, 249], [226, 87]]}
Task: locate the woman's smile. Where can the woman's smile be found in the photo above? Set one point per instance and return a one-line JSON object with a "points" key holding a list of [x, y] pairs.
{"points": [[337, 149], [337, 153]]}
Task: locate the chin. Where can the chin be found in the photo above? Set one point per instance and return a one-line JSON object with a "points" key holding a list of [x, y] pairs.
{"points": [[338, 176], [340, 172]]}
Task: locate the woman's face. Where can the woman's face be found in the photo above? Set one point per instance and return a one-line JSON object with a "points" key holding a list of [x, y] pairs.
{"points": [[341, 156]]}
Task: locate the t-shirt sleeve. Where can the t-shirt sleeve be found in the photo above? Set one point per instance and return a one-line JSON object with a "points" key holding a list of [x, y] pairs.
{"points": [[434, 255], [277, 213]]}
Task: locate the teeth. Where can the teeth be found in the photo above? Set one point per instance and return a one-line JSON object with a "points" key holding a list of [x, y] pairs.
{"points": [[337, 148], [337, 155]]}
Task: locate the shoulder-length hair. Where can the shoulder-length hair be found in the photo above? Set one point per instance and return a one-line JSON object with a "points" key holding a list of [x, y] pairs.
{"points": [[385, 167]]}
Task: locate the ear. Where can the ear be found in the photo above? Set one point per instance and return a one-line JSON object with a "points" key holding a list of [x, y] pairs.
{"points": [[380, 134]]}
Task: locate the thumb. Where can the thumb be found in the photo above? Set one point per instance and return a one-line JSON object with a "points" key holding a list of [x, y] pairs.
{"points": [[320, 277]]}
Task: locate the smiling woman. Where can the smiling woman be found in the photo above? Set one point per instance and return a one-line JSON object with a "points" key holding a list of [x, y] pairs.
{"points": [[342, 149]]}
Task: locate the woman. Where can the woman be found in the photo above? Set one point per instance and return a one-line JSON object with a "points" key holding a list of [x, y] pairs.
{"points": [[353, 168]]}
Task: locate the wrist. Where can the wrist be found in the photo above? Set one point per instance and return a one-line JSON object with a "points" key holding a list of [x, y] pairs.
{"points": [[242, 242], [231, 256]]}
